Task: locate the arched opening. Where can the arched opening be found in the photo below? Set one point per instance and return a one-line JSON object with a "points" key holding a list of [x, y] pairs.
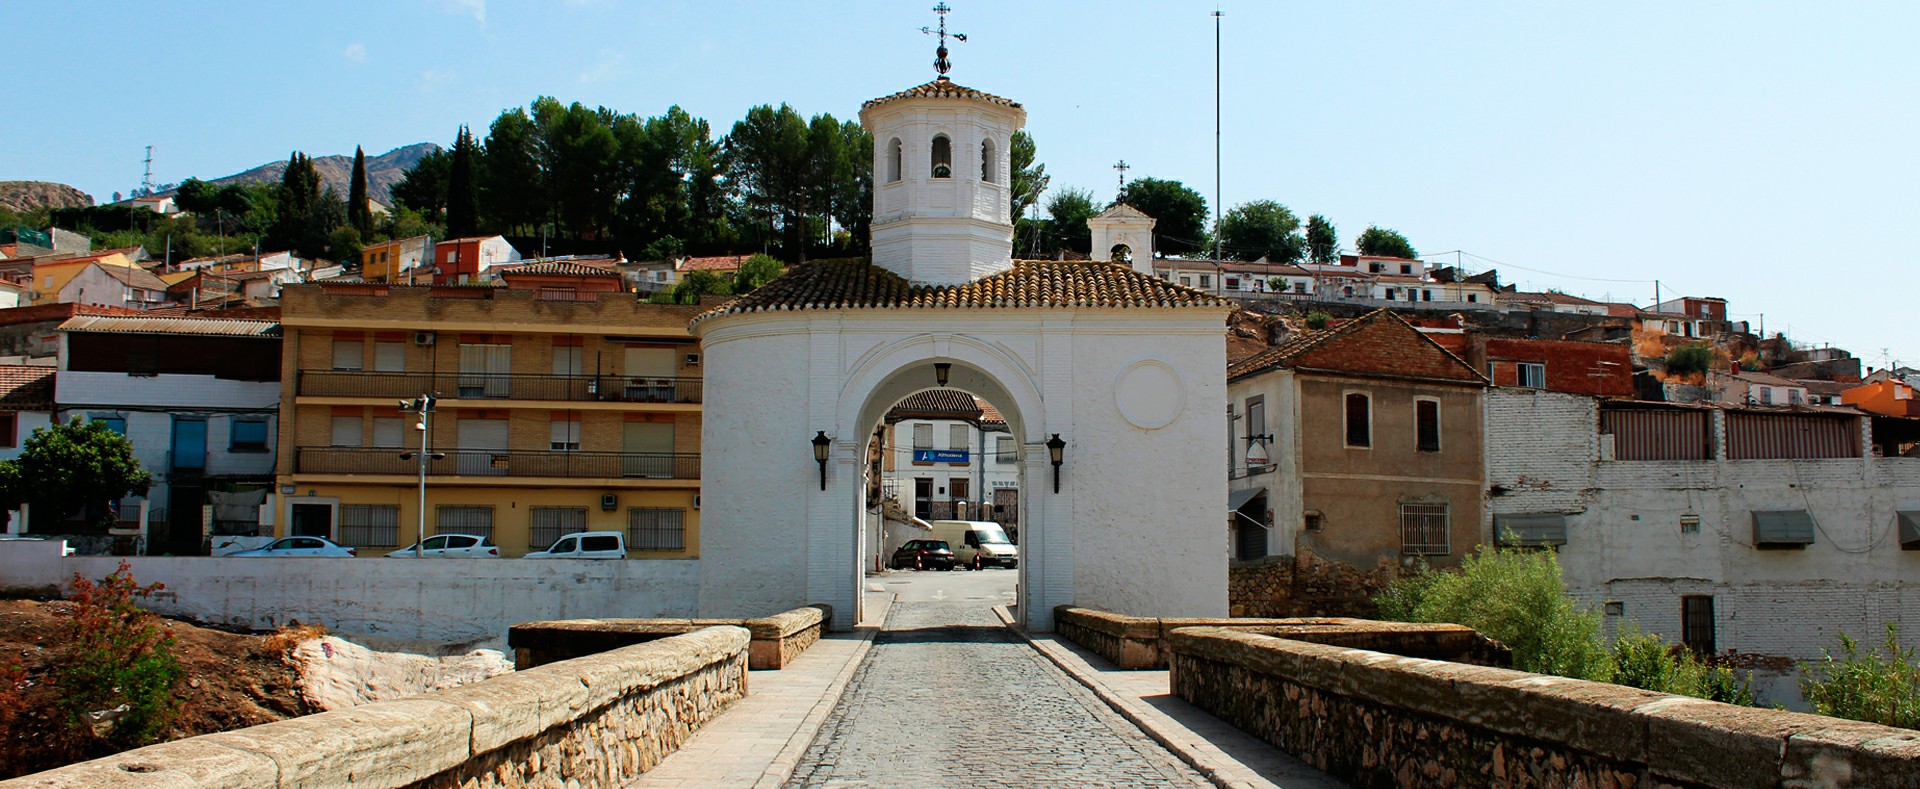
{"points": [[942, 156], [989, 167], [894, 154], [1121, 253]]}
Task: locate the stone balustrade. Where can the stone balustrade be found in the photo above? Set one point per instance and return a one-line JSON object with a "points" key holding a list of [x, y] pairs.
{"points": [[777, 639]]}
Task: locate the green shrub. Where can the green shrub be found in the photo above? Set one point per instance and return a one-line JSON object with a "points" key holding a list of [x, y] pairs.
{"points": [[1866, 686], [1643, 660], [1515, 597], [1694, 359], [1318, 319], [118, 654]]}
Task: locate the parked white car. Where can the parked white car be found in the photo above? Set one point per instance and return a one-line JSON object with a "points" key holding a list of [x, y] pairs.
{"points": [[462, 546], [301, 547], [586, 545]]}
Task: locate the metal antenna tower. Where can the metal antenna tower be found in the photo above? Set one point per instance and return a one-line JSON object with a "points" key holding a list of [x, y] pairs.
{"points": [[940, 62], [1121, 167], [146, 180]]}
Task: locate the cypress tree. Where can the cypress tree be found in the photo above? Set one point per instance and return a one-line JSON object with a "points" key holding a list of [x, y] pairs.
{"points": [[358, 214], [463, 197]]}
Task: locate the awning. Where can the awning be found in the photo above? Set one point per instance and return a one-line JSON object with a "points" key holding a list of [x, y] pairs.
{"points": [[1782, 529], [1909, 530], [1532, 529], [1239, 498]]}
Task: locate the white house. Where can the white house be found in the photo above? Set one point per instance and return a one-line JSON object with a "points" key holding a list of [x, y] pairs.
{"points": [[26, 403], [1757, 531], [107, 285], [1109, 378], [947, 453]]}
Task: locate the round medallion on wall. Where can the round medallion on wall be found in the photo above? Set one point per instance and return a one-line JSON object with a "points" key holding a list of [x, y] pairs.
{"points": [[1149, 394]]}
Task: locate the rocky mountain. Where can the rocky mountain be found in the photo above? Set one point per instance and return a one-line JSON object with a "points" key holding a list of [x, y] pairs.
{"points": [[383, 171], [21, 196]]}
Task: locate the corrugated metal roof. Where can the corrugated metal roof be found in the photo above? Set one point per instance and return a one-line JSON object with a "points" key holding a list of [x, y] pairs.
{"points": [[115, 324]]}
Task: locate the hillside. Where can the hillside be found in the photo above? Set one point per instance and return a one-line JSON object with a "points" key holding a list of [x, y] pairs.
{"points": [[383, 171], [23, 196]]}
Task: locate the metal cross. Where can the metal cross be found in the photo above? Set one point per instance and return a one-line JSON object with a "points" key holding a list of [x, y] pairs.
{"points": [[1122, 168], [940, 62]]}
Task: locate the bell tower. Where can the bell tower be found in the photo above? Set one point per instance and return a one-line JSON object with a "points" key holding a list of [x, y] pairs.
{"points": [[942, 201]]}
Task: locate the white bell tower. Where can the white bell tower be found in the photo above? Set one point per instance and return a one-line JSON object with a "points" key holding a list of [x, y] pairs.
{"points": [[1123, 234]]}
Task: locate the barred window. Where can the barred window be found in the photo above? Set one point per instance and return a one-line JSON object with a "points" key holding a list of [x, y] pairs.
{"points": [[369, 525], [463, 519], [1423, 530], [549, 524], [656, 529], [1006, 452]]}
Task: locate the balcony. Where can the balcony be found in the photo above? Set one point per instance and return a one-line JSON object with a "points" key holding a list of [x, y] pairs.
{"points": [[501, 463], [510, 386]]}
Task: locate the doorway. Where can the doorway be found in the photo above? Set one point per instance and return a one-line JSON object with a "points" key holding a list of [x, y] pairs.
{"points": [[311, 520]]}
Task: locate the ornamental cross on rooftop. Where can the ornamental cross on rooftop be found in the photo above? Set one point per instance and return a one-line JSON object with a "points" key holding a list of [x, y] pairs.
{"points": [[940, 62]]}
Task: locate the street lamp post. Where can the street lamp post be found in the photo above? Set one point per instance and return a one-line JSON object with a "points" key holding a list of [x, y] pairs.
{"points": [[424, 407]]}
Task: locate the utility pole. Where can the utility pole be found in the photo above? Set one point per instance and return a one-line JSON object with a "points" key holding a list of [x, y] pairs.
{"points": [[1216, 133], [423, 406]]}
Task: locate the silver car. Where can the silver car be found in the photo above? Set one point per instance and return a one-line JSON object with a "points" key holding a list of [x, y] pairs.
{"points": [[294, 547], [459, 546]]}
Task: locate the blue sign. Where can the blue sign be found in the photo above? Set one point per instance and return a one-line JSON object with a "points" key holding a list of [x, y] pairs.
{"points": [[940, 456]]}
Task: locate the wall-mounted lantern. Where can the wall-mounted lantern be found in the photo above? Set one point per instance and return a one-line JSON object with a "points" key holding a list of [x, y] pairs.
{"points": [[820, 444], [1056, 454], [940, 371], [1257, 449]]}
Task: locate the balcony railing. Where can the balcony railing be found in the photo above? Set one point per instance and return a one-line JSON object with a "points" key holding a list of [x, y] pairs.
{"points": [[500, 386], [501, 463]]}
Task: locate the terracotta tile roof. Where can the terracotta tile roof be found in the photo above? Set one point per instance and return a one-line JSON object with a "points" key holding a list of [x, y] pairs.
{"points": [[941, 88], [856, 284], [1379, 343], [719, 263], [988, 414], [560, 268], [26, 388], [951, 402]]}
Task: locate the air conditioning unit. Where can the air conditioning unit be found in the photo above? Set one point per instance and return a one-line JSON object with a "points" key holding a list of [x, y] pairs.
{"points": [[693, 360], [609, 502], [423, 338], [696, 501]]}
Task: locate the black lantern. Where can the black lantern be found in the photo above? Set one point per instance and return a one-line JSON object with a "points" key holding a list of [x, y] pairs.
{"points": [[820, 444], [940, 371], [1056, 454]]}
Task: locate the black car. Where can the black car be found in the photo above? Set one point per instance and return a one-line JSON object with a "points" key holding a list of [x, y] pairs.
{"points": [[923, 555]]}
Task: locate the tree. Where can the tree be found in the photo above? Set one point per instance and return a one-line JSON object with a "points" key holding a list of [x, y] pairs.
{"points": [[73, 468], [1029, 178], [1323, 240], [1070, 209], [463, 196], [306, 216], [1691, 359], [424, 186], [119, 656], [700, 283], [1515, 597], [1180, 213], [769, 163], [512, 186], [358, 214], [581, 159], [1385, 242], [1262, 228], [755, 271]]}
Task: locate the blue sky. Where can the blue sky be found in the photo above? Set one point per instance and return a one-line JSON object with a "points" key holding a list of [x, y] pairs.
{"points": [[1762, 152]]}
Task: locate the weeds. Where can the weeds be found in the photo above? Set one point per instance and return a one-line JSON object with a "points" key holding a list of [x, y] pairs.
{"points": [[1866, 686], [1643, 660], [287, 637], [116, 681]]}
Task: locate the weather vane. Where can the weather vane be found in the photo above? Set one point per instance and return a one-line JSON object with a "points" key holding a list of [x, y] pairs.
{"points": [[940, 62]]}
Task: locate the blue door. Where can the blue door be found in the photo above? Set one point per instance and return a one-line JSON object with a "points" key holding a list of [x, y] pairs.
{"points": [[190, 444]]}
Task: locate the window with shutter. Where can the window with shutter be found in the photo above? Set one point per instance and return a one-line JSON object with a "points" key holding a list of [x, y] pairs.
{"points": [[957, 437], [349, 355], [485, 369], [1426, 417], [389, 431], [922, 436], [1359, 420], [390, 357], [346, 431]]}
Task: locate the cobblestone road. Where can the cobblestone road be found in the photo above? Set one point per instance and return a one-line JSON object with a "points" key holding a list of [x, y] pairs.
{"points": [[949, 698]]}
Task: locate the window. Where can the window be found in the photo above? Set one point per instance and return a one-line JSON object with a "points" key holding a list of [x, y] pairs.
{"points": [[1783, 529], [389, 431], [1426, 295], [364, 525], [1315, 520], [957, 437], [563, 435], [1406, 269], [1696, 624], [346, 431], [656, 529], [1531, 375], [922, 436], [248, 435], [1389, 294], [1473, 298], [569, 360], [989, 168], [1249, 540], [893, 161], [390, 357], [1423, 530], [547, 524], [349, 355], [552, 293], [1004, 450], [1232, 283], [1426, 420], [942, 157], [1206, 280], [485, 369], [463, 519], [10, 429], [1256, 422], [117, 424], [1763, 395], [1794, 397], [1689, 524], [1359, 420]]}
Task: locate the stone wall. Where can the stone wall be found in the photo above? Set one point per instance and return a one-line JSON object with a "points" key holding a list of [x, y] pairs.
{"points": [[1139, 642], [594, 721], [1373, 719], [1305, 585], [777, 639]]}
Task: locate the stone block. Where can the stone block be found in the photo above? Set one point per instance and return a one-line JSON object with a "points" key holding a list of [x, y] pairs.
{"points": [[1848, 753], [1706, 742], [519, 705], [388, 743], [182, 764], [1591, 717]]}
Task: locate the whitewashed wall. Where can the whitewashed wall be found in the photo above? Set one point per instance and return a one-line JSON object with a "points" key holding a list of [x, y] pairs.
{"points": [[380, 600]]}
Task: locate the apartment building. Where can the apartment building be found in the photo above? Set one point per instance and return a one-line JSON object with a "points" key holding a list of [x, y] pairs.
{"points": [[552, 416], [945, 453]]}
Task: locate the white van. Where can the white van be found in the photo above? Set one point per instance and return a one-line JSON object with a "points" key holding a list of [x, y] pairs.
{"points": [[585, 545], [978, 544]]}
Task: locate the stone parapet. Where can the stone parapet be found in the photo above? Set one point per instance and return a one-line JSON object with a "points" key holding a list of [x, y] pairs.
{"points": [[776, 639], [596, 721], [1373, 719], [1140, 642]]}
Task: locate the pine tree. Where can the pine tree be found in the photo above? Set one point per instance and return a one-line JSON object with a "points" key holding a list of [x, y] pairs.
{"points": [[463, 196], [358, 213]]}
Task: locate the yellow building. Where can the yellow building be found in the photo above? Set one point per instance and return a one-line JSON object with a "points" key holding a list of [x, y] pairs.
{"points": [[49, 277], [391, 261], [553, 415]]}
